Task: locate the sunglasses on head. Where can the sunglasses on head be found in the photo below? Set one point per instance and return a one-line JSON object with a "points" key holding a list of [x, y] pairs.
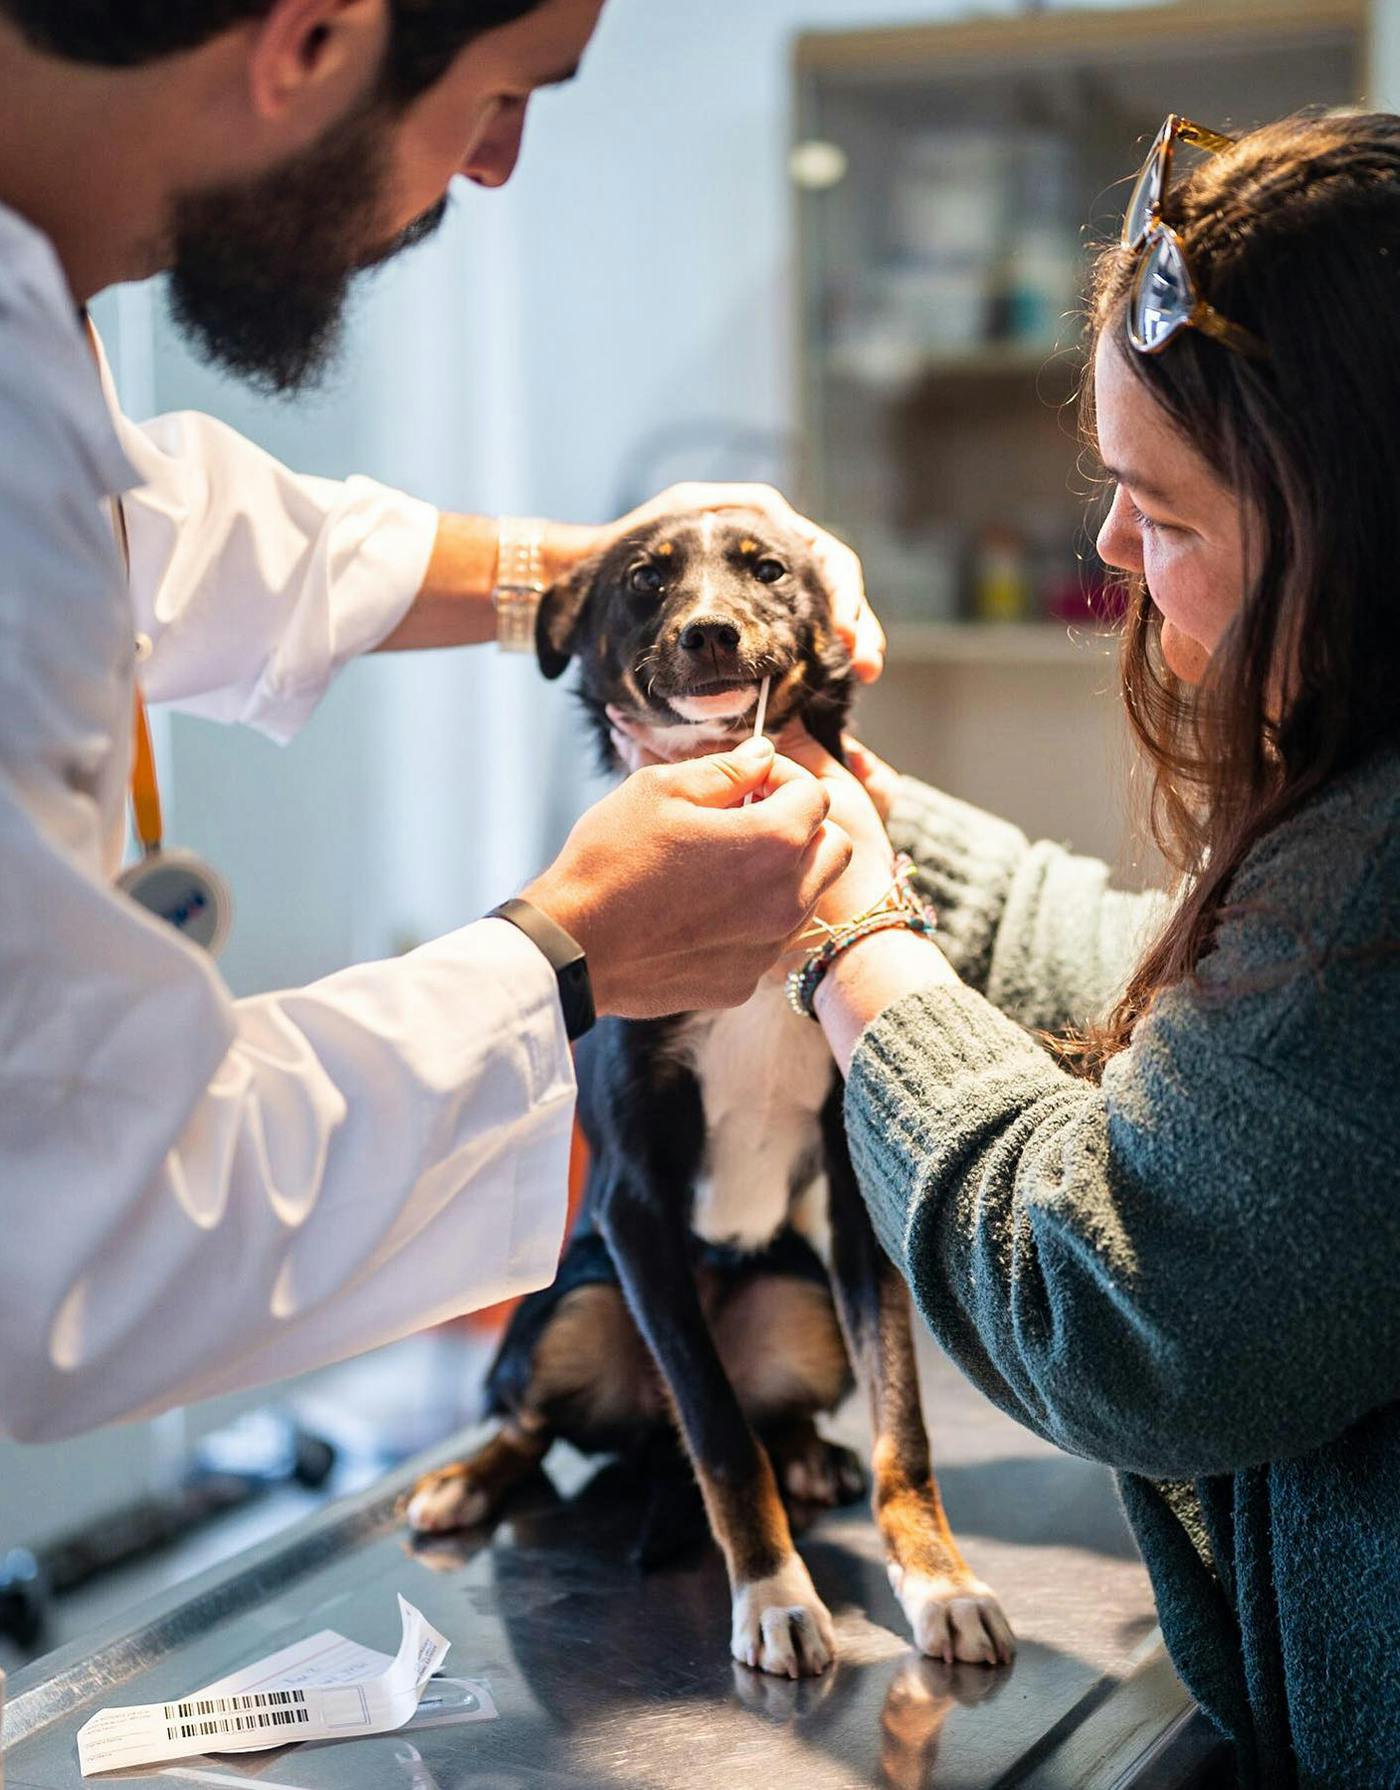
{"points": [[1164, 299]]}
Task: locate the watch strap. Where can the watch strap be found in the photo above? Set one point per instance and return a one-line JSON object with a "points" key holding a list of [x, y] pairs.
{"points": [[565, 956], [520, 581]]}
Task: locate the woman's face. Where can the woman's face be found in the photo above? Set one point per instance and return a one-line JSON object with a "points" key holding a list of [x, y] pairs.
{"points": [[1172, 519]]}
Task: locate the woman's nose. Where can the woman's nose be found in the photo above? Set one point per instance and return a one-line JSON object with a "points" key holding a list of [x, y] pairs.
{"points": [[1120, 538]]}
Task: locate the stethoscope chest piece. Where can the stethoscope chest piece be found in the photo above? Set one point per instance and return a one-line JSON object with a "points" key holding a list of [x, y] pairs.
{"points": [[185, 892]]}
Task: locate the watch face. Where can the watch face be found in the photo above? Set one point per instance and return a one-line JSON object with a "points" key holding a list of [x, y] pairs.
{"points": [[186, 893]]}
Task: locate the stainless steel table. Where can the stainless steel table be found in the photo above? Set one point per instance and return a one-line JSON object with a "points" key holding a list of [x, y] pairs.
{"points": [[616, 1681]]}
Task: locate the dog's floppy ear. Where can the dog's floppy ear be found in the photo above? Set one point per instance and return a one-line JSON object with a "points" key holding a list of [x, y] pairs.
{"points": [[560, 612]]}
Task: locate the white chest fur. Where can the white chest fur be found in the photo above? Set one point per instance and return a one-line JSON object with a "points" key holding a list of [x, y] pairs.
{"points": [[764, 1075]]}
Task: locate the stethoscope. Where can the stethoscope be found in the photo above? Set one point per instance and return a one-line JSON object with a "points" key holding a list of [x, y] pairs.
{"points": [[175, 885]]}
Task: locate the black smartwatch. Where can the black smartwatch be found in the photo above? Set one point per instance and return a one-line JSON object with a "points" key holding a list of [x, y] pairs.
{"points": [[565, 957]]}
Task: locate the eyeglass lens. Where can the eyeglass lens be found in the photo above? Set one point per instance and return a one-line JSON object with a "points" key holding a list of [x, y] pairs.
{"points": [[1146, 193], [1163, 295]]}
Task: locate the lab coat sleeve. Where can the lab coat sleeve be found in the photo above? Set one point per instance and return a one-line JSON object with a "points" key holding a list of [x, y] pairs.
{"points": [[256, 584], [199, 1194]]}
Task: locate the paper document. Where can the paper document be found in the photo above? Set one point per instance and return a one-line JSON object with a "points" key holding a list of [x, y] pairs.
{"points": [[326, 1688]]}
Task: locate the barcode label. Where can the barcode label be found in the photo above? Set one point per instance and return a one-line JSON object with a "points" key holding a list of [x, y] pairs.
{"points": [[275, 1701], [197, 1706], [236, 1724]]}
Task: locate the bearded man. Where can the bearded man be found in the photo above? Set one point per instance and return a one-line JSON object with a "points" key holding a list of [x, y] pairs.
{"points": [[199, 1193]]}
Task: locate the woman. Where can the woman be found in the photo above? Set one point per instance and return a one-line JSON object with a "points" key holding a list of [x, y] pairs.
{"points": [[1187, 1263], [1172, 1244]]}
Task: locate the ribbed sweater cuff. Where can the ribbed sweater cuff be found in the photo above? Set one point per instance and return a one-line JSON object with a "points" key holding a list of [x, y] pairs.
{"points": [[933, 1078], [966, 860]]}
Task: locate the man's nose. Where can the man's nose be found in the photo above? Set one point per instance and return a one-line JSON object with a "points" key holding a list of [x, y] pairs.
{"points": [[493, 159], [710, 633]]}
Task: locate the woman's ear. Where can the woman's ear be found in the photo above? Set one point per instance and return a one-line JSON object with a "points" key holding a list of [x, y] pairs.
{"points": [[560, 613]]}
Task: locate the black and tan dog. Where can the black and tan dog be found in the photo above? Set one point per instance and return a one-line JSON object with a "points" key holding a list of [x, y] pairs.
{"points": [[690, 1291]]}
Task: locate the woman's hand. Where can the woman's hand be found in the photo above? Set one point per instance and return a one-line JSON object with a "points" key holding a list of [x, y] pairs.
{"points": [[880, 779], [870, 874], [851, 614], [877, 971]]}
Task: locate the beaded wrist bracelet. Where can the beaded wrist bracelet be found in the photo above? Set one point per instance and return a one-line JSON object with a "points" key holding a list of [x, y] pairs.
{"points": [[900, 908]]}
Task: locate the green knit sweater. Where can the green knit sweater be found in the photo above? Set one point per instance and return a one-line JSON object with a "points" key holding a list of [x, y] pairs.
{"points": [[1191, 1273]]}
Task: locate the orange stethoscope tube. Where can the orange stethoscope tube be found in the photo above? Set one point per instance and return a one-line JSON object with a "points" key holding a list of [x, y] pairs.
{"points": [[145, 790]]}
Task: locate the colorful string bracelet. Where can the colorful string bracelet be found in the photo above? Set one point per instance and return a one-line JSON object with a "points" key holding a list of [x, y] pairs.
{"points": [[899, 909]]}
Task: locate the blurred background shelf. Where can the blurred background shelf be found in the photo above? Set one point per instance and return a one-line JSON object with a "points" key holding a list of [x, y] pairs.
{"points": [[914, 643]]}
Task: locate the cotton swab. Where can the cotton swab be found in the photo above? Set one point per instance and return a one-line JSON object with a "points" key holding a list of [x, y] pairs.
{"points": [[760, 718]]}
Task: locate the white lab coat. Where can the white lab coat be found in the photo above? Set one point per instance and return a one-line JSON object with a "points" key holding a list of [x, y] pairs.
{"points": [[199, 1194]]}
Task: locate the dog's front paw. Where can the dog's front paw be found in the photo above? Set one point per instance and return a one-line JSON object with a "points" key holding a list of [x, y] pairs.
{"points": [[452, 1498], [954, 1618], [782, 1626]]}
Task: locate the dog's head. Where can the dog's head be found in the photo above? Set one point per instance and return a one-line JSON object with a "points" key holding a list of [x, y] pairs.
{"points": [[677, 625]]}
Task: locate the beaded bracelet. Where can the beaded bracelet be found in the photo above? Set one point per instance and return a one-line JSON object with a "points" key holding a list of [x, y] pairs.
{"points": [[898, 908]]}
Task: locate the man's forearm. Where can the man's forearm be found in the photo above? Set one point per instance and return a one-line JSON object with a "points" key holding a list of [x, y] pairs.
{"points": [[454, 606]]}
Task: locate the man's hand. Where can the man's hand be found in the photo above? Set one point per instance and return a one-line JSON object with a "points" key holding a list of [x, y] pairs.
{"points": [[851, 614], [682, 897], [861, 795]]}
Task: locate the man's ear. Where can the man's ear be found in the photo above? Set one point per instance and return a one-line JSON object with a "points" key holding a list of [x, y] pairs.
{"points": [[560, 612], [313, 57]]}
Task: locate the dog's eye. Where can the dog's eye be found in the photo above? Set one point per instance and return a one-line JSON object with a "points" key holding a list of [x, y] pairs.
{"points": [[769, 571], [646, 580]]}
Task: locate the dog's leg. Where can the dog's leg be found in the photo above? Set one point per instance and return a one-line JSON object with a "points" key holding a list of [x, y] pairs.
{"points": [[780, 1625], [954, 1616], [570, 1366], [468, 1492]]}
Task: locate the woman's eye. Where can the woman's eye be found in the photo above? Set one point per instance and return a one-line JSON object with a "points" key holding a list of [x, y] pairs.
{"points": [[769, 571], [646, 580], [1146, 523]]}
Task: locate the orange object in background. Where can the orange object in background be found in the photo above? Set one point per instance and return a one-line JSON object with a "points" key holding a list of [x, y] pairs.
{"points": [[492, 1317]]}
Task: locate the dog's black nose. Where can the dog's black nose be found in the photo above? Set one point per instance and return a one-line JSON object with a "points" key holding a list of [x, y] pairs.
{"points": [[709, 631]]}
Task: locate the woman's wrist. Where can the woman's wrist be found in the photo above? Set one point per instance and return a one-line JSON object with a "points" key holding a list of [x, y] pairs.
{"points": [[869, 977]]}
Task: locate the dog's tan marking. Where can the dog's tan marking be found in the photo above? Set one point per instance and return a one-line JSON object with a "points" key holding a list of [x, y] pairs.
{"points": [[782, 1348], [592, 1373], [665, 551], [748, 1522], [748, 545], [954, 1616]]}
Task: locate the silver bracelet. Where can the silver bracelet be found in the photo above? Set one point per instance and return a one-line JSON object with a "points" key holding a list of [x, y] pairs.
{"points": [[520, 582]]}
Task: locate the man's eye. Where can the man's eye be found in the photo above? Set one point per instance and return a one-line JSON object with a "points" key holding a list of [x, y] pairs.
{"points": [[646, 580], [769, 571]]}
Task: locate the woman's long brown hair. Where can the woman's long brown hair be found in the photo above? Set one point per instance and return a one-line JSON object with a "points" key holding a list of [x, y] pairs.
{"points": [[1295, 233]]}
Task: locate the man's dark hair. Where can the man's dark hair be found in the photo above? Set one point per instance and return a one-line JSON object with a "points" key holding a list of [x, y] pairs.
{"points": [[427, 37]]}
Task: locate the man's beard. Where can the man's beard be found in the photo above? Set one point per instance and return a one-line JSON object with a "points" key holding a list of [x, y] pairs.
{"points": [[261, 270]]}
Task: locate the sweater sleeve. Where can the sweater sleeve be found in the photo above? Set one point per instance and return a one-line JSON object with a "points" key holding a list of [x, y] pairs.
{"points": [[1190, 1269], [1033, 927]]}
